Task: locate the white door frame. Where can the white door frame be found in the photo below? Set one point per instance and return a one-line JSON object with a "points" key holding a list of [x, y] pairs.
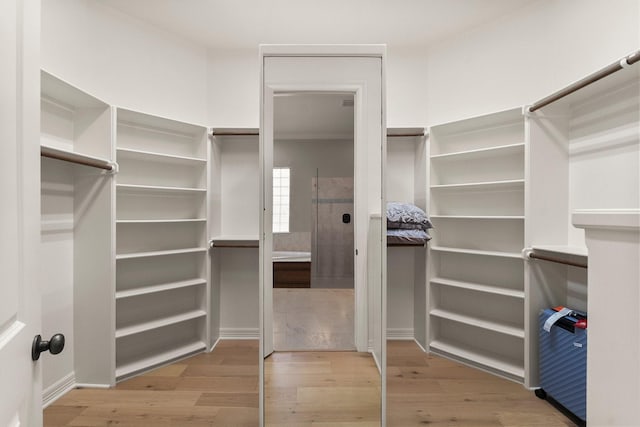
{"points": [[20, 298], [362, 206]]}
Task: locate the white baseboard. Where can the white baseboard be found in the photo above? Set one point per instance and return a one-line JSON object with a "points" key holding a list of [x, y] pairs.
{"points": [[375, 359], [89, 385], [56, 390], [239, 333], [214, 345], [400, 334], [420, 345]]}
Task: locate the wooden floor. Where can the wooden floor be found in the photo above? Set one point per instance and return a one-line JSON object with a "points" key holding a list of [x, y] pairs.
{"points": [[210, 389], [319, 389], [322, 389], [430, 390]]}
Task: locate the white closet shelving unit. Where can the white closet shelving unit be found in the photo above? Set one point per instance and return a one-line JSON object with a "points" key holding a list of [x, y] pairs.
{"points": [[476, 297], [584, 154], [406, 181], [161, 257], [234, 228], [77, 234]]}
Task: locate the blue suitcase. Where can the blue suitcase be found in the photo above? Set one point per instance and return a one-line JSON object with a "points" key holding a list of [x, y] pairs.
{"points": [[563, 360]]}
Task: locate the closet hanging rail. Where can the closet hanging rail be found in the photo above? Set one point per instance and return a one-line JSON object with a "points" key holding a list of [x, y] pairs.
{"points": [[225, 133], [81, 159], [399, 135], [531, 254], [591, 78]]}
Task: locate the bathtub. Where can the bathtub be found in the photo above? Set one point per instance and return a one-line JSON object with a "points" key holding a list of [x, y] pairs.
{"points": [[291, 256]]}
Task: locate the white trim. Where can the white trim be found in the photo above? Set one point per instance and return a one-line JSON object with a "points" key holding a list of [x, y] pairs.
{"points": [[56, 390], [239, 334], [420, 345], [214, 345], [400, 334], [376, 50], [89, 385], [375, 359]]}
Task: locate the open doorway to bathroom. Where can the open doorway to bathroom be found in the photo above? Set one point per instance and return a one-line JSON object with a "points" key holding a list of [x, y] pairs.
{"points": [[313, 211]]}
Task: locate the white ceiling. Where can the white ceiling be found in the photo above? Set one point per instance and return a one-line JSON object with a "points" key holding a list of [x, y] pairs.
{"points": [[313, 116], [246, 23]]}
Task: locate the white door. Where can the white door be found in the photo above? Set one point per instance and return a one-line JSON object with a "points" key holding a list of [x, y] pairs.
{"points": [[20, 384]]}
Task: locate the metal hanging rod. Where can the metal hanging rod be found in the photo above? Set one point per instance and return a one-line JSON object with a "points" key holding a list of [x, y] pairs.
{"points": [[81, 159], [399, 135], [625, 62], [224, 133], [556, 260]]}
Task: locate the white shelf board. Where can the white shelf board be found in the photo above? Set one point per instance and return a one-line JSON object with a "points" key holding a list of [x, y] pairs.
{"points": [[159, 253], [158, 124], [131, 188], [58, 226], [512, 183], [155, 359], [159, 221], [479, 153], [621, 219], [61, 93], [480, 217], [493, 361], [478, 287], [144, 290], [516, 255], [161, 157], [159, 323], [479, 323]]}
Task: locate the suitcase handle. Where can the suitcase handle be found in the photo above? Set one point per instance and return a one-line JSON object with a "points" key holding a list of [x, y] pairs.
{"points": [[555, 317]]}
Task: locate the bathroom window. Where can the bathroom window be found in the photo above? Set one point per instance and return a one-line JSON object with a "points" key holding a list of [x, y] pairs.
{"points": [[281, 186]]}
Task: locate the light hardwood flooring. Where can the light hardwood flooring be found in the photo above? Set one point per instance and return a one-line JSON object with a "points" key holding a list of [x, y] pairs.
{"points": [[429, 390], [321, 389], [210, 389], [318, 389]]}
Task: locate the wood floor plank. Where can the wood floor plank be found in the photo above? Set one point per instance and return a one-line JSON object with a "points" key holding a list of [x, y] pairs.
{"points": [[221, 371], [221, 389], [128, 398], [142, 416], [429, 390], [174, 370], [58, 415], [232, 400]]}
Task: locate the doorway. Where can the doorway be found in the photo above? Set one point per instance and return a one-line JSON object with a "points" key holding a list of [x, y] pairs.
{"points": [[313, 240]]}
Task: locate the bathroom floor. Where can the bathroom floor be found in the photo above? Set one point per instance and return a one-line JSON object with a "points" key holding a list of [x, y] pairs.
{"points": [[313, 319]]}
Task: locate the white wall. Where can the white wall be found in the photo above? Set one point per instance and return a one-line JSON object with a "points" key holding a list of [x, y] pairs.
{"points": [[56, 268], [239, 302], [527, 55], [124, 61], [233, 90], [331, 158]]}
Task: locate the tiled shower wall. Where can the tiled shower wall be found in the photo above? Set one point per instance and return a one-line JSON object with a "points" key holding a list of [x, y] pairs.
{"points": [[331, 238]]}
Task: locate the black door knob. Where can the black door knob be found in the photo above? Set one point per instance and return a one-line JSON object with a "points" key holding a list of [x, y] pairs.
{"points": [[55, 345]]}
